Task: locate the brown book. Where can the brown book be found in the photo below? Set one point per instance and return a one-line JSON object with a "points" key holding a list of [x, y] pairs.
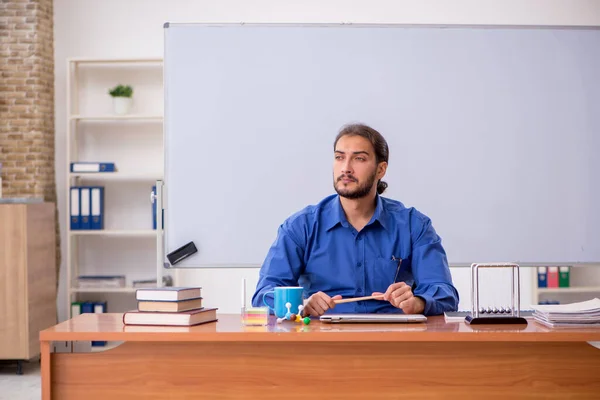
{"points": [[170, 306], [185, 318]]}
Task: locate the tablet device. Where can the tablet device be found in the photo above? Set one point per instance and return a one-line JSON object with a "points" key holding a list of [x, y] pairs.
{"points": [[372, 318]]}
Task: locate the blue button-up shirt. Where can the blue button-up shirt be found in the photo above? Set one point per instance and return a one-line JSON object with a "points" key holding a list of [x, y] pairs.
{"points": [[319, 250]]}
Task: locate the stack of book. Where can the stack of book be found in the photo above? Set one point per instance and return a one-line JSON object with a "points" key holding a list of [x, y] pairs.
{"points": [[576, 315], [169, 306]]}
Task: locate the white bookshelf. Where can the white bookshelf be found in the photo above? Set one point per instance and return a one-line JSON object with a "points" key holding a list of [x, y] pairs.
{"points": [[134, 142], [584, 284]]}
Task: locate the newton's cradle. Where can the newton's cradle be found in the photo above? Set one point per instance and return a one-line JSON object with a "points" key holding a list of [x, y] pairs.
{"points": [[503, 315]]}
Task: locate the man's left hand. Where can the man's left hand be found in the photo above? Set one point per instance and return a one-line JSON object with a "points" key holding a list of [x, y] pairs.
{"points": [[400, 295]]}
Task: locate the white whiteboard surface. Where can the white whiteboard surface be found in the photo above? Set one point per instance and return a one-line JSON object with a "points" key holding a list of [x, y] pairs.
{"points": [[494, 133]]}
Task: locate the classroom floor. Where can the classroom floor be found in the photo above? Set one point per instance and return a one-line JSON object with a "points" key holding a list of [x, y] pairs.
{"points": [[20, 387]]}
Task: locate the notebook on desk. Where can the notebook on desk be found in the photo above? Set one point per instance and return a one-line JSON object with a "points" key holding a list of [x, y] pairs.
{"points": [[372, 318]]}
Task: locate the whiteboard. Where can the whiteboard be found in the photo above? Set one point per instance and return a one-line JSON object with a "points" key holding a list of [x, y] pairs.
{"points": [[493, 133]]}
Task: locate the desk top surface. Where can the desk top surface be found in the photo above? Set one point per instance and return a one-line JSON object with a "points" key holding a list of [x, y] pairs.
{"points": [[229, 328]]}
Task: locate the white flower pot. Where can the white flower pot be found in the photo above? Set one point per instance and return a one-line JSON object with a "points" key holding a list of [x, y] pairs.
{"points": [[122, 105]]}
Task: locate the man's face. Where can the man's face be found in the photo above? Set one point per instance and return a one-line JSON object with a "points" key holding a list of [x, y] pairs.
{"points": [[355, 168]]}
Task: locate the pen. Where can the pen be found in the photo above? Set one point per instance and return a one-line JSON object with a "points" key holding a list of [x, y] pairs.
{"points": [[397, 268]]}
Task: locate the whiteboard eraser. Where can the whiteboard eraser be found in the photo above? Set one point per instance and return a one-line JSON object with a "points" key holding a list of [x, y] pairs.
{"points": [[182, 253]]}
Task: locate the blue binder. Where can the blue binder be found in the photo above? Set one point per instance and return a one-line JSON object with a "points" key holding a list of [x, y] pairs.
{"points": [[92, 167], [542, 277], [97, 207], [84, 207], [154, 212], [75, 209], [87, 307]]}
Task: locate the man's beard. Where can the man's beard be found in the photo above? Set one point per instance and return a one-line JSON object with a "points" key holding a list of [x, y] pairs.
{"points": [[361, 191]]}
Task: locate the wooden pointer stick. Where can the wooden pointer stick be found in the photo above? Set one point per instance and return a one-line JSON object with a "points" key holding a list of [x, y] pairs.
{"points": [[351, 299]]}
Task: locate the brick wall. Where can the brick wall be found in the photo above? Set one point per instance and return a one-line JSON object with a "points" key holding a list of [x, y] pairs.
{"points": [[27, 101]]}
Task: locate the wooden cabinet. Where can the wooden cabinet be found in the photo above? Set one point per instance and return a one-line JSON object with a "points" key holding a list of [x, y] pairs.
{"points": [[27, 277]]}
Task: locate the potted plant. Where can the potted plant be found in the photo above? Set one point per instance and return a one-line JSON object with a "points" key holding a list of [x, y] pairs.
{"points": [[122, 100]]}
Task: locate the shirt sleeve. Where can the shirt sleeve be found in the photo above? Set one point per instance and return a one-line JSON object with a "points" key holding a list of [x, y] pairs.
{"points": [[282, 266], [430, 269]]}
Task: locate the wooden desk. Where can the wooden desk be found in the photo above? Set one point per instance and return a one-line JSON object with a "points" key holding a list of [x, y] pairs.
{"points": [[226, 360]]}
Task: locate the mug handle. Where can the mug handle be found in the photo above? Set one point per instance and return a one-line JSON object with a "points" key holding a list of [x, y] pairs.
{"points": [[265, 300]]}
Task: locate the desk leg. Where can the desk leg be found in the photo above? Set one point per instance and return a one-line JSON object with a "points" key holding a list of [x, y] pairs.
{"points": [[45, 361]]}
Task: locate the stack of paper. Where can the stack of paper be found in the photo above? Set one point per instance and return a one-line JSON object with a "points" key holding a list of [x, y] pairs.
{"points": [[576, 315]]}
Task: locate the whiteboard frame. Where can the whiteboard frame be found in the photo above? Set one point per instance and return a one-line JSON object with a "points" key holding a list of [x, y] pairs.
{"points": [[162, 249]]}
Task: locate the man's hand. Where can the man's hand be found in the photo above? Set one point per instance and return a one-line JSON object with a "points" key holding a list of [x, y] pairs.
{"points": [[318, 303], [400, 295]]}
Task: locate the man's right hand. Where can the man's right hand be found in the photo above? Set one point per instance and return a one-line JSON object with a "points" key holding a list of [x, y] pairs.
{"points": [[318, 303]]}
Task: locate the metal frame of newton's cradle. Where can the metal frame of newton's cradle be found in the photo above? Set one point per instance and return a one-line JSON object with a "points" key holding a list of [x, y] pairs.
{"points": [[515, 312]]}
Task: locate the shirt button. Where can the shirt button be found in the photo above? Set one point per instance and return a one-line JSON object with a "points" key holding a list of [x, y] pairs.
{"points": [[360, 238], [359, 264], [360, 291]]}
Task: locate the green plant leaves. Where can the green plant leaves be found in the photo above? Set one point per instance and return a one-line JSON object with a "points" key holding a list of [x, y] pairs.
{"points": [[121, 91]]}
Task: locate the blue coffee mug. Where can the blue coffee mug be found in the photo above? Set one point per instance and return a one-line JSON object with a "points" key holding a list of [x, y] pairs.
{"points": [[283, 295]]}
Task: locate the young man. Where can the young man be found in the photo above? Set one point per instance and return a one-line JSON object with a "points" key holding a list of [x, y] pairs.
{"points": [[357, 243]]}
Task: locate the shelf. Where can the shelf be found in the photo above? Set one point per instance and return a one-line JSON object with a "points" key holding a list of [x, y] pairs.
{"points": [[582, 289], [115, 232], [115, 176], [104, 290], [129, 117], [111, 61]]}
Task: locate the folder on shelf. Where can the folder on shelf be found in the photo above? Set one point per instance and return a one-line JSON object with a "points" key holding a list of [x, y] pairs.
{"points": [[84, 166], [100, 307], [552, 277], [564, 276], [97, 207], [154, 212], [85, 198], [87, 307], [75, 309], [75, 212], [542, 274]]}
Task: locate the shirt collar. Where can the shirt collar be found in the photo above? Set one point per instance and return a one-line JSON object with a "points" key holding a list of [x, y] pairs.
{"points": [[379, 214], [337, 216]]}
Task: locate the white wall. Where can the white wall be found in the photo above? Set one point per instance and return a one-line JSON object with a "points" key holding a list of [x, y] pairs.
{"points": [[134, 28]]}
